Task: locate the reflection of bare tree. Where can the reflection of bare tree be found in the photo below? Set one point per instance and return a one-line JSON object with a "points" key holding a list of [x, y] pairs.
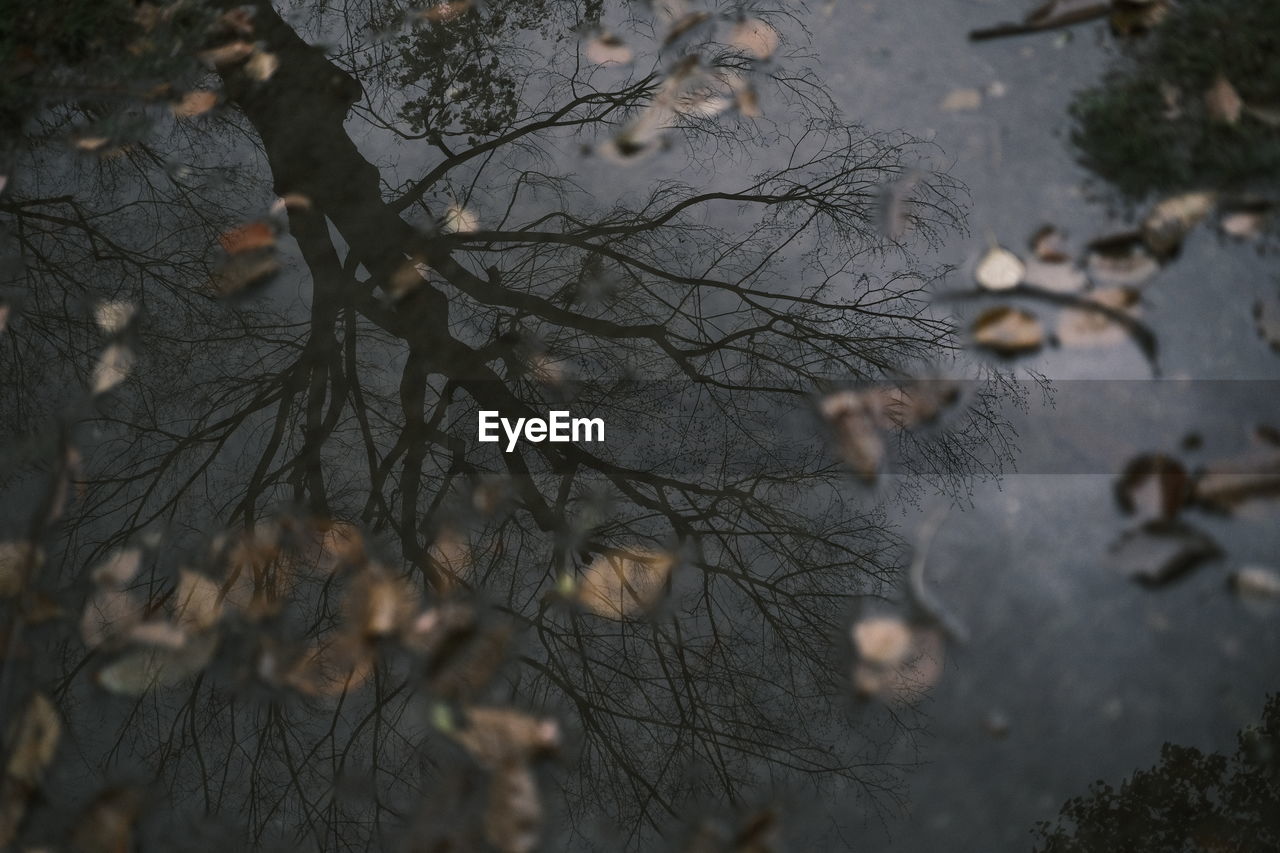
{"points": [[699, 314]]}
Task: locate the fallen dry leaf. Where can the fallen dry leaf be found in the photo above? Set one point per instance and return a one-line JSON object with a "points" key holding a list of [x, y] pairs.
{"points": [[33, 741], [1242, 224], [1222, 102], [882, 640], [513, 813], [1049, 244], [624, 584], [1153, 486], [261, 65], [495, 737], [754, 37], [854, 420], [1256, 582], [17, 561], [1169, 221], [606, 48], [118, 569], [227, 55], [1057, 276], [194, 103], [113, 315], [113, 367], [249, 237], [1133, 17], [197, 601], [1121, 260], [109, 615], [999, 269], [1079, 327], [961, 99], [897, 663], [1160, 552], [1008, 331], [684, 25]]}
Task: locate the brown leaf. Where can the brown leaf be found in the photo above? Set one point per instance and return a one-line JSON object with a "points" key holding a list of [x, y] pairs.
{"points": [[244, 271], [896, 663], [198, 601], [958, 100], [227, 55], [113, 367], [1050, 245], [1256, 582], [1222, 102], [854, 420], [1169, 221], [1008, 331], [685, 24], [495, 737], [261, 66], [1121, 260], [1058, 276], [106, 826], [17, 562], [1153, 486], [332, 667], [754, 37], [513, 814], [1079, 327], [248, 238], [109, 614], [194, 103], [118, 569], [144, 667], [625, 584], [379, 604], [1160, 551], [607, 48], [1133, 17], [33, 741]]}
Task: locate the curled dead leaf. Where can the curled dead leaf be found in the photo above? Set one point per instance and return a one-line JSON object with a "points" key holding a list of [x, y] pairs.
{"points": [[1008, 331], [18, 560], [896, 662], [1256, 583], [1153, 486], [113, 315], [1222, 102], [1079, 327], [958, 100], [109, 615], [605, 48], [33, 741], [249, 237], [625, 583], [261, 65], [144, 667], [1121, 260], [118, 569], [999, 269], [754, 37], [1162, 551], [227, 55], [1169, 221], [854, 420], [113, 367], [513, 813], [194, 103], [495, 737]]}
